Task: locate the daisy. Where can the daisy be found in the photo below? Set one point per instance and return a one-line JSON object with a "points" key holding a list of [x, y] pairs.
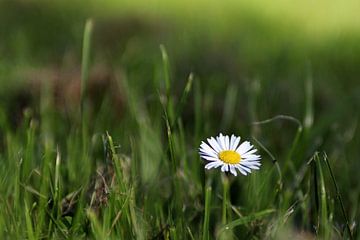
{"points": [[228, 153]]}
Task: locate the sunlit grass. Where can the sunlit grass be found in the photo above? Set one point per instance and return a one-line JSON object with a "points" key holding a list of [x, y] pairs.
{"points": [[314, 19]]}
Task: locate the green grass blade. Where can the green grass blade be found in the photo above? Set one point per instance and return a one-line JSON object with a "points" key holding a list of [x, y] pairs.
{"points": [[57, 183], [166, 70], [85, 62], [190, 233], [323, 200], [134, 218], [322, 218], [206, 231], [29, 226], [95, 225], [254, 91], [183, 99], [169, 100], [338, 196], [247, 219], [225, 203], [309, 108], [197, 110], [229, 105], [295, 143]]}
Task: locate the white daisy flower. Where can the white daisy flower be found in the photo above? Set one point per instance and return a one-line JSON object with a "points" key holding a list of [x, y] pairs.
{"points": [[227, 152]]}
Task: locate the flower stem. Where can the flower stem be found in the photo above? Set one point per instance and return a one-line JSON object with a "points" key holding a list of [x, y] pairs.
{"points": [[226, 187]]}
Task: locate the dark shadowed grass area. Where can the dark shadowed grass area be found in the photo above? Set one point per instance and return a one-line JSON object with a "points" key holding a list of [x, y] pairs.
{"points": [[101, 120]]}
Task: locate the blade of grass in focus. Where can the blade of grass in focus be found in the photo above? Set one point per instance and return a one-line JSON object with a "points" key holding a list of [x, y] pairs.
{"points": [[206, 229], [338, 196], [323, 226]]}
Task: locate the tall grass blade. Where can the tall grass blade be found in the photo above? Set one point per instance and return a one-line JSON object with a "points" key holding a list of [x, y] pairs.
{"points": [[323, 225], [309, 108], [57, 183], [197, 110], [254, 90], [229, 105], [95, 225], [338, 196], [206, 230], [183, 99], [85, 62], [29, 226], [247, 219], [166, 70]]}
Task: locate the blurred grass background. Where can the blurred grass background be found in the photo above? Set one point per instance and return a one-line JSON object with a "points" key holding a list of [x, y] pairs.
{"points": [[250, 61]]}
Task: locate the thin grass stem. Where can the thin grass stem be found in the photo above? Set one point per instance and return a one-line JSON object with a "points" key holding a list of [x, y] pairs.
{"points": [[85, 63], [208, 191], [338, 196]]}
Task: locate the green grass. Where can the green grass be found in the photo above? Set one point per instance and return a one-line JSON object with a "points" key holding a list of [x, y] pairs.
{"points": [[105, 171]]}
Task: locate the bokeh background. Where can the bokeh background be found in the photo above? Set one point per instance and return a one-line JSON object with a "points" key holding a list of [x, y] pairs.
{"points": [[277, 44]]}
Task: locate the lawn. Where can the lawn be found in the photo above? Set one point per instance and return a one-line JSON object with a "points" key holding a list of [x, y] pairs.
{"points": [[104, 106]]}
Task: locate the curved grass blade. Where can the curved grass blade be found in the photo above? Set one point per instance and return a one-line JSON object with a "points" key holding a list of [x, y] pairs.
{"points": [[245, 220]]}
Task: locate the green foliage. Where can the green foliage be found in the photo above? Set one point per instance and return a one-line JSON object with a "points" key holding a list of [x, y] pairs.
{"points": [[125, 165]]}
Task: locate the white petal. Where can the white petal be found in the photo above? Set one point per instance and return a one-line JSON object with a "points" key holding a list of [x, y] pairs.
{"points": [[213, 165], [209, 158], [232, 140], [225, 167], [241, 170], [214, 144], [245, 168], [236, 143], [211, 154], [221, 141], [227, 142], [232, 170], [244, 147], [218, 141], [250, 152], [206, 148], [251, 157], [251, 163], [208, 154]]}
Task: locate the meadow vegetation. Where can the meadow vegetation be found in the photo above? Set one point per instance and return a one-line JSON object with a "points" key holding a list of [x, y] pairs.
{"points": [[103, 107]]}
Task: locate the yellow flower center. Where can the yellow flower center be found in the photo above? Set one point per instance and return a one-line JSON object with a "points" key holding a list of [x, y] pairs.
{"points": [[229, 156]]}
